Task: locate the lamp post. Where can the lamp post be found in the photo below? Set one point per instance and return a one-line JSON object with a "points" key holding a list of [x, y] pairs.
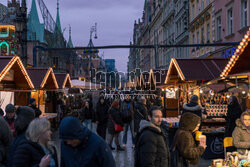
{"points": [[21, 30]]}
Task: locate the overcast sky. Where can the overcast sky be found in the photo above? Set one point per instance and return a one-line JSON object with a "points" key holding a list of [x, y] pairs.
{"points": [[115, 20]]}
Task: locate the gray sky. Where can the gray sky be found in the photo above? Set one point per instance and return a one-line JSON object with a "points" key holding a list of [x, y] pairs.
{"points": [[115, 20]]}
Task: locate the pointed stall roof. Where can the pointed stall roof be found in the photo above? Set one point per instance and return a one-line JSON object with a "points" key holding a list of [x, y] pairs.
{"points": [[19, 77], [144, 79], [239, 62], [34, 26], [63, 81], [43, 78], [194, 69], [157, 77]]}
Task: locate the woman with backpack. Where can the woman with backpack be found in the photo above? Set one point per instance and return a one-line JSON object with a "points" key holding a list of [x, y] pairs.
{"points": [[115, 125]]}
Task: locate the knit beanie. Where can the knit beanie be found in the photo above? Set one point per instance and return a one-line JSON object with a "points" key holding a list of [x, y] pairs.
{"points": [[10, 108]]}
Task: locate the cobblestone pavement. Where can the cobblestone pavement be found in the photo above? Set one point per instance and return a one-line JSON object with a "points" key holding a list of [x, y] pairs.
{"points": [[122, 158]]}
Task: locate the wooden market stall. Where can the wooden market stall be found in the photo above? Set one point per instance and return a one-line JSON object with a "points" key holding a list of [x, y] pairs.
{"points": [[63, 80], [14, 80], [237, 71], [45, 84]]}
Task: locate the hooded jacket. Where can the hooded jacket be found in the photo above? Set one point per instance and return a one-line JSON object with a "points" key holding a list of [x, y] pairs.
{"points": [[151, 147], [91, 152], [184, 141], [193, 108], [241, 136], [5, 141], [102, 112]]}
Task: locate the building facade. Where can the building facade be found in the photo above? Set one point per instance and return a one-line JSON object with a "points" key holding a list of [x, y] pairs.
{"points": [[201, 20], [231, 22], [3, 11], [110, 65]]}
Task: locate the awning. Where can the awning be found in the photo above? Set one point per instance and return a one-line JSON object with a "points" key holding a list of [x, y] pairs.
{"points": [[85, 85], [13, 75]]}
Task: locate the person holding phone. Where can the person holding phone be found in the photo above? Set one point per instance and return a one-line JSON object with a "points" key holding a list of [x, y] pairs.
{"points": [[36, 151], [187, 150]]}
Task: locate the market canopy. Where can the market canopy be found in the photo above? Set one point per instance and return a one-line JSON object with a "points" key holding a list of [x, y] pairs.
{"points": [[63, 80], [85, 85], [13, 75], [239, 62], [184, 70], [43, 78]]}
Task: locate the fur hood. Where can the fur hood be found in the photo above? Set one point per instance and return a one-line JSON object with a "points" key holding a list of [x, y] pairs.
{"points": [[240, 125], [190, 107], [146, 124], [189, 121]]}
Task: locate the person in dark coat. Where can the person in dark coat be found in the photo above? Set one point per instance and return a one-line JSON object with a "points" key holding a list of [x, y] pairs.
{"points": [[81, 147], [5, 141], [25, 115], [140, 113], [193, 106], [233, 113], [10, 110], [114, 118], [1, 112], [32, 104], [35, 151], [102, 117], [151, 144], [188, 151], [87, 115]]}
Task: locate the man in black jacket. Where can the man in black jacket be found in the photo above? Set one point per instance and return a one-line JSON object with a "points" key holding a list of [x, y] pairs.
{"points": [[193, 106], [151, 146]]}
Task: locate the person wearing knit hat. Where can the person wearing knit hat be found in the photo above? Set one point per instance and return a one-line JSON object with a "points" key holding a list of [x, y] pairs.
{"points": [[10, 110], [32, 104], [25, 115], [193, 106]]}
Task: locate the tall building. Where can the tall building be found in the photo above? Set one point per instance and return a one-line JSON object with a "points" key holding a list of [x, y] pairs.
{"points": [[110, 65], [3, 11], [231, 22], [201, 20]]}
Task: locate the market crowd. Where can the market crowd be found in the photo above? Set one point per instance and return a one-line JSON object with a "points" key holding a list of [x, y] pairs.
{"points": [[25, 136]]}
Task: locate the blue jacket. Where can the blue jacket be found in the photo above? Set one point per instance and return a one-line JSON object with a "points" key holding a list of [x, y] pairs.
{"points": [[91, 152]]}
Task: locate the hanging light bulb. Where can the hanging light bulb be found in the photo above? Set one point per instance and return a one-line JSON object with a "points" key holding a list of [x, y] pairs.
{"points": [[201, 91], [176, 89], [190, 93], [243, 92], [228, 96]]}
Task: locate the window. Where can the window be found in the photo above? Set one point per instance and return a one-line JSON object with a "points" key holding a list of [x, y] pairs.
{"points": [[208, 2], [218, 20], [193, 39], [197, 37], [208, 32], [230, 21], [243, 13], [197, 7], [202, 4], [202, 35], [193, 12]]}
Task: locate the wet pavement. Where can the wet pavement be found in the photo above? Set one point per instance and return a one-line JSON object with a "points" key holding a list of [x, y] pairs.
{"points": [[122, 158]]}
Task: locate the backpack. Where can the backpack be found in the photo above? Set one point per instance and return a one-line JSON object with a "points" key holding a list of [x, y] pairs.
{"points": [[126, 113]]}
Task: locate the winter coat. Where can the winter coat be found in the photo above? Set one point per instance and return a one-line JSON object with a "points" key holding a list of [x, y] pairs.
{"points": [[5, 141], [87, 113], [102, 115], [193, 108], [114, 117], [233, 113], [241, 137], [140, 113], [17, 141], [37, 111], [127, 105], [91, 152], [184, 141], [151, 147], [10, 122], [29, 154]]}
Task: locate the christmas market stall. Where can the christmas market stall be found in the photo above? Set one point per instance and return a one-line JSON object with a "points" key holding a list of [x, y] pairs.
{"points": [[45, 84], [14, 82], [185, 78]]}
